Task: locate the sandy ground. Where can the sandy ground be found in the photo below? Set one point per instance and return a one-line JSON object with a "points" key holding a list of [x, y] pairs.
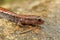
{"points": [[49, 10]]}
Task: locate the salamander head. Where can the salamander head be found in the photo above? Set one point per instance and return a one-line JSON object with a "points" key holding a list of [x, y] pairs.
{"points": [[39, 20]]}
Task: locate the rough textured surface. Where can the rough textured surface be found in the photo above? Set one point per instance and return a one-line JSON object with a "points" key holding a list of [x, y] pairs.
{"points": [[49, 10]]}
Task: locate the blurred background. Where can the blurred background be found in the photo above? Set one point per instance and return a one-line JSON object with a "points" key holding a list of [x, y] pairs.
{"points": [[31, 7]]}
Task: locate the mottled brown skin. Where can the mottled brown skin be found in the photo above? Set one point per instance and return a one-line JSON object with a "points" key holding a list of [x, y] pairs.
{"points": [[20, 19]]}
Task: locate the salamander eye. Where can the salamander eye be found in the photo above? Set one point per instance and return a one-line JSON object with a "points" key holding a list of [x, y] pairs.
{"points": [[39, 19]]}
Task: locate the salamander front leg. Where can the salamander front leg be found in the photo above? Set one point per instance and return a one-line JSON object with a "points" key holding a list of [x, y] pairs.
{"points": [[19, 23]]}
